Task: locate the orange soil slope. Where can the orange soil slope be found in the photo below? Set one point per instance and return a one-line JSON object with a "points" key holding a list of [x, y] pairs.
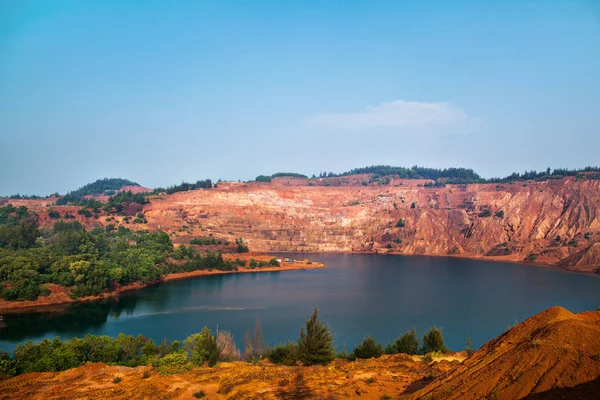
{"points": [[545, 355]]}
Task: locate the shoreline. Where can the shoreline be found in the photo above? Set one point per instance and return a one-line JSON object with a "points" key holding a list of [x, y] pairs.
{"points": [[59, 296], [496, 259]]}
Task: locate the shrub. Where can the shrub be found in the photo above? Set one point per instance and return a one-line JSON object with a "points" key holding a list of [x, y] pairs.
{"points": [[117, 379], [315, 345], [433, 341], [368, 349], [531, 257], [54, 214], [397, 240], [486, 212], [401, 223], [285, 354], [413, 205], [408, 343], [228, 351], [469, 346], [388, 246], [263, 178], [146, 375], [199, 394], [273, 261], [202, 348], [174, 363], [500, 214]]}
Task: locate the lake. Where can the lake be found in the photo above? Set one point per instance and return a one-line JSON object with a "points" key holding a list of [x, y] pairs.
{"points": [[357, 294]]}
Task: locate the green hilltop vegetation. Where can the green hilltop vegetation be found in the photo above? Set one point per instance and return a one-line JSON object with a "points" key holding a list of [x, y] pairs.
{"points": [[446, 175], [101, 186], [380, 174], [89, 262]]}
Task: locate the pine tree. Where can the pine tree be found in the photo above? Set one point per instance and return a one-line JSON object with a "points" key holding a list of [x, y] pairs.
{"points": [[433, 341], [408, 343], [315, 345], [469, 346]]}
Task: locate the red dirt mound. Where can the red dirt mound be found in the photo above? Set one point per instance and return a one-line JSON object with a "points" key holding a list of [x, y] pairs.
{"points": [[554, 354]]}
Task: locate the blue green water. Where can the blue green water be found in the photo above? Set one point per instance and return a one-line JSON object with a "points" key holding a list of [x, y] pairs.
{"points": [[357, 294]]}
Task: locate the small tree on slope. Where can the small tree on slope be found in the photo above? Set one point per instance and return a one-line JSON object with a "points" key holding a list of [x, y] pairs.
{"points": [[315, 345]]}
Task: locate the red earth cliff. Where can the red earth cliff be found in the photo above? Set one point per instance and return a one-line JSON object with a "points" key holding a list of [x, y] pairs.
{"points": [[554, 222]]}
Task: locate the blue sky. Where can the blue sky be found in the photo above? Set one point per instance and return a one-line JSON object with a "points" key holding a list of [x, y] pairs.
{"points": [[160, 92]]}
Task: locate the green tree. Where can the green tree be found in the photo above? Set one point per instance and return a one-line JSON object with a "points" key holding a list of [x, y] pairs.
{"points": [[368, 349], [433, 341], [315, 345], [408, 343], [202, 348]]}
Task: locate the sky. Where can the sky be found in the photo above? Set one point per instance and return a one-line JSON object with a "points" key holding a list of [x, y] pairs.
{"points": [[161, 92]]}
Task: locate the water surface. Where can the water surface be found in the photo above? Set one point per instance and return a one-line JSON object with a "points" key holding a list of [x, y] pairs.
{"points": [[357, 294]]}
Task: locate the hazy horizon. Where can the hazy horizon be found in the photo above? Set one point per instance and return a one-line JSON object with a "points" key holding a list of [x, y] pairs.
{"points": [[160, 92]]}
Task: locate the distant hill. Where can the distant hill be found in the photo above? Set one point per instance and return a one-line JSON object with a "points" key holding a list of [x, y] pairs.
{"points": [[99, 187]]}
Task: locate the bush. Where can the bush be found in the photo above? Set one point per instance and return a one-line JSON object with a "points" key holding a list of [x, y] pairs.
{"points": [[408, 343], [368, 349], [202, 348], [199, 394], [500, 214], [433, 341], [485, 213], [174, 363], [315, 345], [413, 205], [54, 214], [117, 379], [401, 223], [273, 261], [263, 178], [285, 354]]}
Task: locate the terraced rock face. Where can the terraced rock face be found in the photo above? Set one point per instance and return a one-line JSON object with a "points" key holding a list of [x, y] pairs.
{"points": [[555, 222], [545, 222]]}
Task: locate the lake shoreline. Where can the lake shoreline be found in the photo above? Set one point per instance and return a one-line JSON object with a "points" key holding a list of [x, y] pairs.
{"points": [[59, 294], [475, 257]]}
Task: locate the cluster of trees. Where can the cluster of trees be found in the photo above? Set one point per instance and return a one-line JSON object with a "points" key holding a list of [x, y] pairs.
{"points": [[207, 241], [88, 262], [313, 347], [100, 186], [267, 178], [185, 186], [460, 175], [58, 355]]}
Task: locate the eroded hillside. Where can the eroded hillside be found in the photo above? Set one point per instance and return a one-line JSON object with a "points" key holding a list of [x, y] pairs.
{"points": [[554, 222], [546, 222]]}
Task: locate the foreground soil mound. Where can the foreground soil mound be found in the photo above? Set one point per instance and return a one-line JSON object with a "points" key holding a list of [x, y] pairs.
{"points": [[552, 355], [365, 379]]}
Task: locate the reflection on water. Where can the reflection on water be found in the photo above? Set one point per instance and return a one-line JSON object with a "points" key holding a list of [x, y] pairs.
{"points": [[76, 320], [357, 294]]}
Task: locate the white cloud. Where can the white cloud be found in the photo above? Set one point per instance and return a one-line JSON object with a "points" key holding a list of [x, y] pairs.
{"points": [[396, 114]]}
